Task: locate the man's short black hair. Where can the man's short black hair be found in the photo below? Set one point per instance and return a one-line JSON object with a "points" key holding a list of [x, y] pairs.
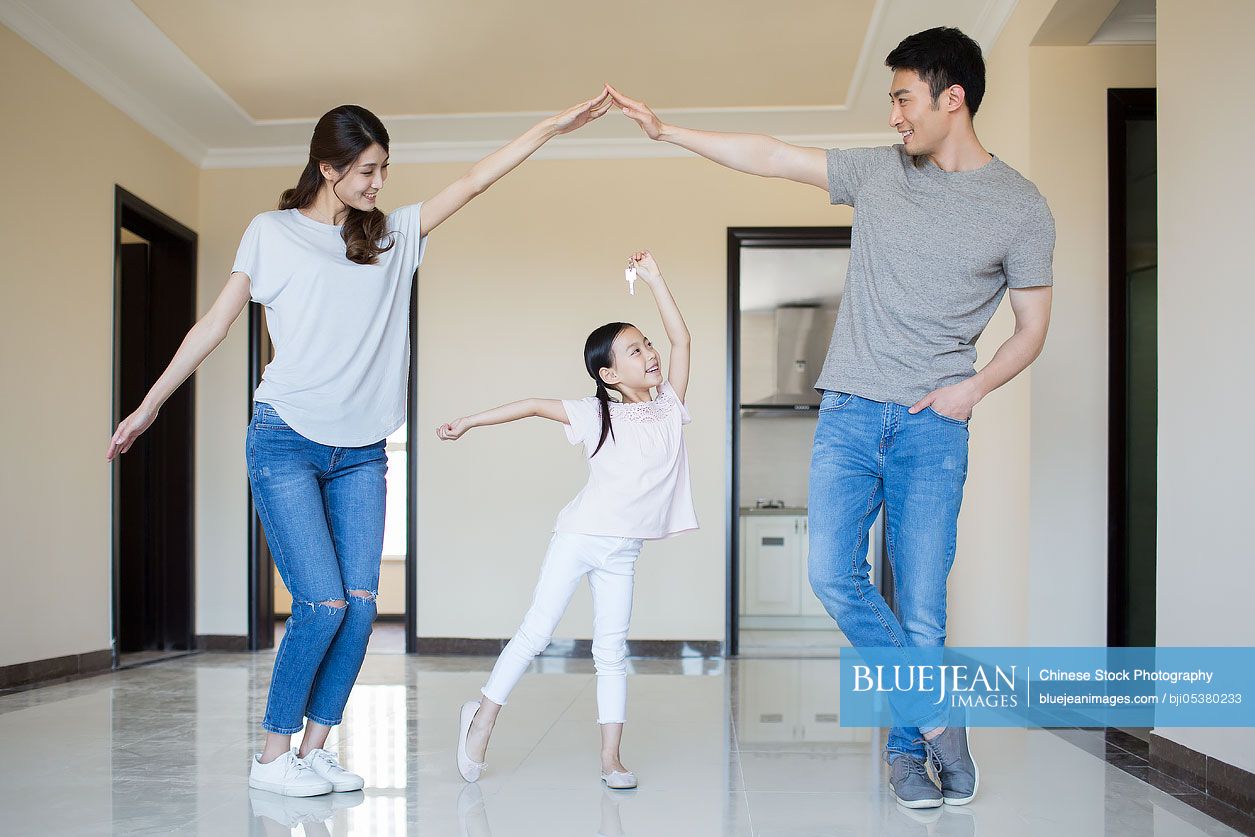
{"points": [[943, 57]]}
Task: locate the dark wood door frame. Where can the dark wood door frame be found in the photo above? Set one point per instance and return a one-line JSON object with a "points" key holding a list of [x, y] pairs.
{"points": [[173, 248], [1123, 105], [739, 237], [261, 582]]}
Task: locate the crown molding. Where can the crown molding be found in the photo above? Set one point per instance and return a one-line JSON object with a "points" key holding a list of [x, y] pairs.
{"points": [[563, 148], [993, 18]]}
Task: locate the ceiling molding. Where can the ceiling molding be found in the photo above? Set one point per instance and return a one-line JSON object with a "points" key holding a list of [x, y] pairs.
{"points": [[562, 148], [1131, 22], [991, 22], [113, 48]]}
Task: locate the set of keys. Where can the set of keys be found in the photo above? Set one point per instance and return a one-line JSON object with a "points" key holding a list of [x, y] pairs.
{"points": [[629, 274]]}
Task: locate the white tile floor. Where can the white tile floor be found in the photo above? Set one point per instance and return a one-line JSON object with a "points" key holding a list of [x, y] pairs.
{"points": [[736, 748]]}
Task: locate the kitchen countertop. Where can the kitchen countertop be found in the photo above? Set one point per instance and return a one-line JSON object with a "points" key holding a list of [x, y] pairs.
{"points": [[788, 510]]}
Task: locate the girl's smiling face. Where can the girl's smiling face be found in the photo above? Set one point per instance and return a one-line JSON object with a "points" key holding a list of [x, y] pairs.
{"points": [[637, 364]]}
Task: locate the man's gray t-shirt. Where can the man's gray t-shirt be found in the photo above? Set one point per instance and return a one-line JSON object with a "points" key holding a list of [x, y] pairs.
{"points": [[932, 254]]}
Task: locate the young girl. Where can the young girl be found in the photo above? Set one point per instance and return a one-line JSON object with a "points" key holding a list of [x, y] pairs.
{"points": [[334, 273], [638, 489]]}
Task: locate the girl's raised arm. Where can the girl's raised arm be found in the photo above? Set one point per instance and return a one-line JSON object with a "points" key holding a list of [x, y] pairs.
{"points": [[550, 408], [672, 321], [501, 162]]}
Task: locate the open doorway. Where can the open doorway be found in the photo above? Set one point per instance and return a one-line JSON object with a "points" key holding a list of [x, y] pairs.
{"points": [[154, 306], [269, 601], [784, 290], [1133, 373]]}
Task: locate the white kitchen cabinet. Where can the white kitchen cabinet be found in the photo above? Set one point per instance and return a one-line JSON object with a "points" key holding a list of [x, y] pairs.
{"points": [[775, 551], [772, 563]]}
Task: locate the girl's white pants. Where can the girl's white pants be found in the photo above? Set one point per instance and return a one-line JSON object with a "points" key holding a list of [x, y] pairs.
{"points": [[609, 564]]}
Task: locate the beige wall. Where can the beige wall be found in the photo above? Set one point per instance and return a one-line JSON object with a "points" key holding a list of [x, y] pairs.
{"points": [[1206, 454], [64, 149], [1068, 532]]}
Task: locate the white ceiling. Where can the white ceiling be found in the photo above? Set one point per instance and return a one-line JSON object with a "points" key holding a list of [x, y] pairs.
{"points": [[118, 51]]}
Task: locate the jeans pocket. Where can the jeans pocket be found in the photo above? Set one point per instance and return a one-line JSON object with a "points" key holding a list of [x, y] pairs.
{"points": [[833, 400], [959, 422], [266, 417]]}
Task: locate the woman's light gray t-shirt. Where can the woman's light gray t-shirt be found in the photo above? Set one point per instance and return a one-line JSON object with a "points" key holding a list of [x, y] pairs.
{"points": [[340, 330], [932, 254]]}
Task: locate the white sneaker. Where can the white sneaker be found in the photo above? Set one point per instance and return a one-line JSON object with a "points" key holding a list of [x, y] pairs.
{"points": [[286, 775], [326, 765], [470, 770]]}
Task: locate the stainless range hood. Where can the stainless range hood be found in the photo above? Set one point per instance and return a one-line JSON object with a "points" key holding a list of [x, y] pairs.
{"points": [[801, 338]]}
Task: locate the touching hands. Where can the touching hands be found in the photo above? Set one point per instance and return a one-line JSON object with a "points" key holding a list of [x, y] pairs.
{"points": [[638, 112]]}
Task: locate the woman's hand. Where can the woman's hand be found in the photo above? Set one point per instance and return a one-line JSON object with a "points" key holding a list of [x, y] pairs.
{"points": [[579, 115], [646, 267], [128, 431], [453, 431]]}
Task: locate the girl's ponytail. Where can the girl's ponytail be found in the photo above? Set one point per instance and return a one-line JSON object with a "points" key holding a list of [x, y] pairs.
{"points": [[603, 396], [599, 355]]}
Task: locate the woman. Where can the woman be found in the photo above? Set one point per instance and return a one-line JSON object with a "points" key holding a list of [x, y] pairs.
{"points": [[334, 273]]}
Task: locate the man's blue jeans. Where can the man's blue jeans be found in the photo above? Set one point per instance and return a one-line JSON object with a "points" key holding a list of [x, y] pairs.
{"points": [[323, 511], [866, 454]]}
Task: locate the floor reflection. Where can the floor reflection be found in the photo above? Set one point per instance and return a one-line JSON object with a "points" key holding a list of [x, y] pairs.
{"points": [[721, 748]]}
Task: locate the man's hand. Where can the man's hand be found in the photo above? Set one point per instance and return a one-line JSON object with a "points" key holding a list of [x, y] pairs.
{"points": [[955, 401], [638, 112]]}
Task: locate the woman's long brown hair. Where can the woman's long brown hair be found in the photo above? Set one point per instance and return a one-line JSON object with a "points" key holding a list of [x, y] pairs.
{"points": [[339, 138]]}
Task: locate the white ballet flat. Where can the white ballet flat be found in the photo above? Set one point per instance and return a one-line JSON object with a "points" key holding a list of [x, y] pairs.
{"points": [[470, 770], [619, 779]]}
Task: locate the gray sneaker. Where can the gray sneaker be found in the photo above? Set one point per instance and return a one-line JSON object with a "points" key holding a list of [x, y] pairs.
{"points": [[952, 761], [910, 783]]}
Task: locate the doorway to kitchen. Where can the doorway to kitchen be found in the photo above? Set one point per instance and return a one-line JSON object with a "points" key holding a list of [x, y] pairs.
{"points": [[784, 290]]}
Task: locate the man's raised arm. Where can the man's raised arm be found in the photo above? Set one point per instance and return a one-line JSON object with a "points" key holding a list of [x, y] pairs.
{"points": [[751, 153]]}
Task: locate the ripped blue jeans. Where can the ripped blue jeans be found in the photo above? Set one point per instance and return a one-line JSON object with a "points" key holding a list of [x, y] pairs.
{"points": [[322, 509]]}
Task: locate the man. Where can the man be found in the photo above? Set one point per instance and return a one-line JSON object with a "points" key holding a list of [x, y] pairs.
{"points": [[942, 230]]}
